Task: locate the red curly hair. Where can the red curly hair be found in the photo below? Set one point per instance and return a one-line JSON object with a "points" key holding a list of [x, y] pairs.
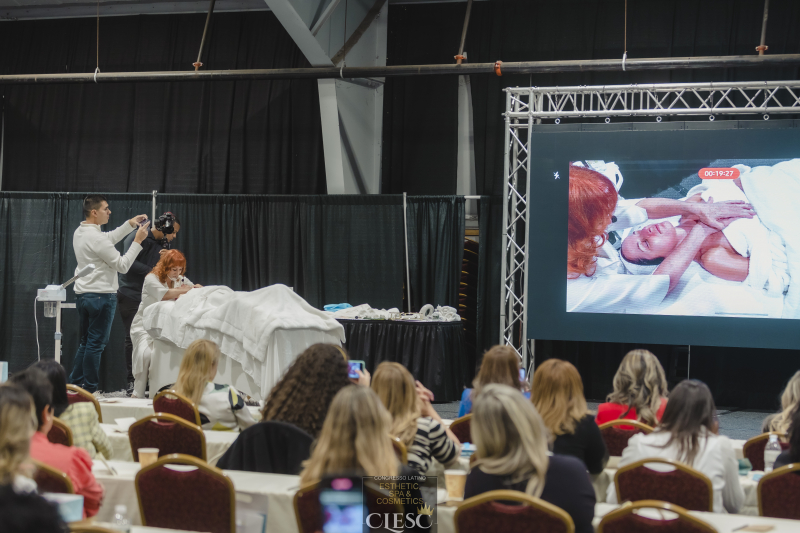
{"points": [[592, 200], [172, 258]]}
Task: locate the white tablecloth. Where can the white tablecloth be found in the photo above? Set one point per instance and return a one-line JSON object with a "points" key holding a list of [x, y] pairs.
{"points": [[217, 443], [138, 408]]}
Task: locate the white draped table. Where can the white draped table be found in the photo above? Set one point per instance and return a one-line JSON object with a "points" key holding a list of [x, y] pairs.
{"points": [[217, 443], [138, 408]]}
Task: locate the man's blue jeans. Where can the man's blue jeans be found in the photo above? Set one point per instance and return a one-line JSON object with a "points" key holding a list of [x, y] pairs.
{"points": [[96, 313]]}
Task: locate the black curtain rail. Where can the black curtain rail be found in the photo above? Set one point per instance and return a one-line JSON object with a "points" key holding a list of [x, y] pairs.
{"points": [[498, 68]]}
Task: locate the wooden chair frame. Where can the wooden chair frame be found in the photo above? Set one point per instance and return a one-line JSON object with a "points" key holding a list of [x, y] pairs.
{"points": [[400, 449], [629, 508], [758, 438], [86, 527], [678, 466], [89, 396], [65, 428], [56, 473], [516, 496], [623, 422], [188, 460], [166, 417], [782, 471], [183, 399]]}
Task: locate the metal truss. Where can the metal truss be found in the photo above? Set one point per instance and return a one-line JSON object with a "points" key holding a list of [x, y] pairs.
{"points": [[669, 99], [526, 106]]}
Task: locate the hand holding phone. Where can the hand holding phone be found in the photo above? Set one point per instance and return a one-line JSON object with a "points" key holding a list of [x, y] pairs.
{"points": [[354, 365]]}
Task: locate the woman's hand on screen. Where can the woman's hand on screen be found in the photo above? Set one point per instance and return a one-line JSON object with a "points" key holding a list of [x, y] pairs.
{"points": [[715, 214]]}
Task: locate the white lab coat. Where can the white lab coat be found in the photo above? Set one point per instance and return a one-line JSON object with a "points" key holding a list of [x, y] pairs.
{"points": [[153, 291], [610, 289]]}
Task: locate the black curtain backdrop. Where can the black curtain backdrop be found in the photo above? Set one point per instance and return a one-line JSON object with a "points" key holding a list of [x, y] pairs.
{"points": [[490, 220], [256, 137], [435, 249], [330, 249]]}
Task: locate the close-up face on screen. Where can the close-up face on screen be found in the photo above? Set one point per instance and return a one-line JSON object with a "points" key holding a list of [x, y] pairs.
{"points": [[710, 237]]}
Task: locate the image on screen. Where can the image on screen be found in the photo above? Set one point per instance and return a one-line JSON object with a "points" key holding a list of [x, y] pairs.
{"points": [[701, 237]]}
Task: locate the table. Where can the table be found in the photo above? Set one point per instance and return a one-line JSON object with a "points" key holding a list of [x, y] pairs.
{"points": [[138, 408], [217, 443], [436, 353]]}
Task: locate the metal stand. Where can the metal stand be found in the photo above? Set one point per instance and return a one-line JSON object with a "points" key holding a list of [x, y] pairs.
{"points": [[59, 307]]}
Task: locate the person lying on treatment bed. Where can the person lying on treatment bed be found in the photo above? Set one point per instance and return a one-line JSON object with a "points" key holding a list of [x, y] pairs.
{"points": [[662, 244]]}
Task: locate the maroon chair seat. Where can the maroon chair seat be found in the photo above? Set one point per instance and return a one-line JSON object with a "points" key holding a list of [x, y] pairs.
{"points": [[626, 520], [202, 499], [683, 486], [76, 394], [753, 449], [173, 403], [485, 512], [49, 479], [779, 493], [617, 433], [169, 434], [461, 428], [60, 433]]}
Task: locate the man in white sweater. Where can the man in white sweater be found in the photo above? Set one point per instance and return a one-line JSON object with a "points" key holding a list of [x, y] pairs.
{"points": [[95, 294]]}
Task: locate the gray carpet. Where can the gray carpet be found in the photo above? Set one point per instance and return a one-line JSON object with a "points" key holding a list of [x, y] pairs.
{"points": [[732, 423]]}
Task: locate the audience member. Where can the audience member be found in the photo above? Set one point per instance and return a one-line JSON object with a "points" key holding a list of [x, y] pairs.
{"points": [[557, 393], [17, 425], [790, 402], [414, 420], [687, 434], [792, 455], [500, 365], [511, 451], [221, 407], [75, 462], [81, 417], [640, 391], [28, 513], [305, 391], [354, 438]]}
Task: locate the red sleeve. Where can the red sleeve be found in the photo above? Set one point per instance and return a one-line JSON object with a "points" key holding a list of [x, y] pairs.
{"points": [[606, 412], [85, 483], [660, 411]]}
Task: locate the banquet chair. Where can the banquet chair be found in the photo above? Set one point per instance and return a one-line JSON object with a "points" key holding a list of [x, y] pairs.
{"points": [[682, 486], [76, 394], [754, 448], [81, 527], [627, 519], [60, 433], [175, 403], [169, 433], [461, 428], [490, 512], [182, 492], [270, 448], [400, 450], [308, 511], [779, 493], [49, 479], [616, 438]]}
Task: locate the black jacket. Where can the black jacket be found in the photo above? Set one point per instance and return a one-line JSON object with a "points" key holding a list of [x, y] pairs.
{"points": [[131, 283], [270, 448]]}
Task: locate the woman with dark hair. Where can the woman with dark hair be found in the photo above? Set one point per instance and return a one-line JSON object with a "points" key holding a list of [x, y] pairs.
{"points": [[688, 434], [792, 455], [81, 417], [500, 365], [305, 391]]}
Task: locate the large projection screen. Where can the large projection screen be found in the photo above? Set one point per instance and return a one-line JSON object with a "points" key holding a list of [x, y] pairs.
{"points": [[737, 289]]}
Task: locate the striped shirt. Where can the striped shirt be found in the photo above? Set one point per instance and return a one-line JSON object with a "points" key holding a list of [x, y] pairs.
{"points": [[431, 442], [82, 419]]}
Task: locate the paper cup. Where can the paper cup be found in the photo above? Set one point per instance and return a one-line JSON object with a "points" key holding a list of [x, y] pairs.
{"points": [[147, 456], [455, 481]]}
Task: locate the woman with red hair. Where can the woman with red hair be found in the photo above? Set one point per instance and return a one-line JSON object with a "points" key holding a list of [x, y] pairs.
{"points": [[165, 282]]}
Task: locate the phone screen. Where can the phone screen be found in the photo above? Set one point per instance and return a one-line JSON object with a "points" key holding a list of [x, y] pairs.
{"points": [[342, 507], [353, 366], [522, 374]]}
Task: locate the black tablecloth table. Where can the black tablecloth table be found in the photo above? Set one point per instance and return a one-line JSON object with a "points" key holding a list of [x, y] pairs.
{"points": [[434, 352]]}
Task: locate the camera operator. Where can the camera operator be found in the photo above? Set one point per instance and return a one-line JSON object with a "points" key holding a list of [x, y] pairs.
{"points": [[129, 295]]}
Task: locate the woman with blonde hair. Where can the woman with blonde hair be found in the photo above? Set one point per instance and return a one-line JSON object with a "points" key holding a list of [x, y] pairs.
{"points": [[557, 393], [511, 449], [221, 407], [790, 402], [500, 365], [640, 391], [167, 281], [414, 421], [17, 426], [354, 439]]}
